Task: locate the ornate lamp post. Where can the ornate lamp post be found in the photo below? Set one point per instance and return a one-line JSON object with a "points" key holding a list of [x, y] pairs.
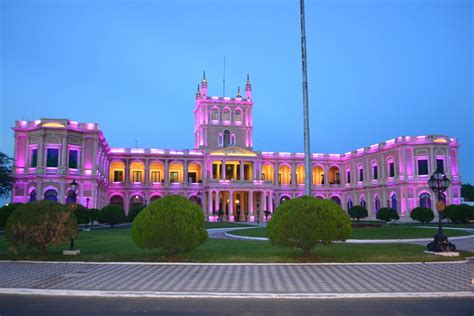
{"points": [[72, 197], [258, 212], [439, 183]]}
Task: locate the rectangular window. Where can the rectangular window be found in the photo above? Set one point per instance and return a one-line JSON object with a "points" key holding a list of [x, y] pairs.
{"points": [[214, 171], [174, 177], [118, 176], [192, 177], [391, 169], [137, 176], [220, 141], [215, 115], [263, 176], [375, 172], [34, 158], [361, 175], [238, 116], [73, 156], [155, 176], [279, 178], [348, 177], [440, 165], [422, 167], [52, 157], [226, 115]]}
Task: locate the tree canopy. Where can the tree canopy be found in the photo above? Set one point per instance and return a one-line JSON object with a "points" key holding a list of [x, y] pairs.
{"points": [[6, 179]]}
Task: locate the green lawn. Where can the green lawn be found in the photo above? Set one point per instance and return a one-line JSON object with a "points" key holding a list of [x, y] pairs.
{"points": [[117, 245], [384, 232]]}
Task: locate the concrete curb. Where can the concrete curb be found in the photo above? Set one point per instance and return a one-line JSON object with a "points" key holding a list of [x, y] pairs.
{"points": [[358, 241], [61, 292]]}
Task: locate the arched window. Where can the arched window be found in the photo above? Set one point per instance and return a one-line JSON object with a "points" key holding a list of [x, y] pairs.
{"points": [[362, 202], [226, 138], [238, 116], [375, 170], [33, 196], [377, 203], [51, 195], [117, 200], [336, 199], [361, 173], [284, 199], [394, 203], [226, 115], [215, 115], [425, 200], [349, 203]]}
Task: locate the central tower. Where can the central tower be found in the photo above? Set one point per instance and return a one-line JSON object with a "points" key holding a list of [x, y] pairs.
{"points": [[223, 121]]}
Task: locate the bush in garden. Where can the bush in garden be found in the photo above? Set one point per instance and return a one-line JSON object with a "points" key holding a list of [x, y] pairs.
{"points": [[82, 215], [93, 215], [134, 211], [307, 221], [6, 211], [112, 215], [422, 214], [460, 214], [40, 224], [172, 223], [387, 214], [358, 212]]}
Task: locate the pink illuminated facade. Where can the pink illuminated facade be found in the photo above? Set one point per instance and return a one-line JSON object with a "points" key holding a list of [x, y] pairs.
{"points": [[223, 171]]}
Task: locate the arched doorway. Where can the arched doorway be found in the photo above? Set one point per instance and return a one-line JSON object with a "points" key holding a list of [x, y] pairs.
{"points": [[425, 200], [336, 199], [136, 200], [33, 196], [51, 195], [284, 198]]}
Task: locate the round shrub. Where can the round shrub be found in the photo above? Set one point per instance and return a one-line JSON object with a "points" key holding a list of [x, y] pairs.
{"points": [[93, 215], [387, 214], [40, 224], [358, 212], [422, 214], [172, 223], [307, 221], [112, 215], [82, 215], [6, 211], [134, 211], [460, 214]]}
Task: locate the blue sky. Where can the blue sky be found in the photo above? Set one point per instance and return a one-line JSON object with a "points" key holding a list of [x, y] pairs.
{"points": [[377, 69]]}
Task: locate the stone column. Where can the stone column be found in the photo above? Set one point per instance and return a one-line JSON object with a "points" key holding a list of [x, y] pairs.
{"points": [[216, 202], [276, 166], [127, 171], [167, 172], [223, 170], [293, 174], [63, 163], [251, 216], [41, 149], [254, 170], [264, 206], [186, 174], [242, 169], [210, 203], [147, 172], [231, 206]]}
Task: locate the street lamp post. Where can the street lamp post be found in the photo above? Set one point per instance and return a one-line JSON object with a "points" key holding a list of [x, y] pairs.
{"points": [[72, 198], [439, 183], [258, 212]]}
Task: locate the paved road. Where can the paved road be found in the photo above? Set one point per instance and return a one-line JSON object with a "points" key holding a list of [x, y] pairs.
{"points": [[234, 280], [48, 305]]}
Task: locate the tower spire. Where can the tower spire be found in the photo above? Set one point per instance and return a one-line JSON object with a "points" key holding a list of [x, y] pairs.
{"points": [[198, 92], [248, 88], [204, 77], [203, 85], [238, 92]]}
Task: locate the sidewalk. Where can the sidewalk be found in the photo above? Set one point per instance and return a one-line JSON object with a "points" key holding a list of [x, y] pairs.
{"points": [[238, 280]]}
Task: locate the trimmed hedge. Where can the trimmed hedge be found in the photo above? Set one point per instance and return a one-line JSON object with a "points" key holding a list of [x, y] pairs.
{"points": [[40, 224], [172, 223], [387, 214], [460, 214], [307, 221], [358, 212], [134, 211], [422, 214], [112, 215]]}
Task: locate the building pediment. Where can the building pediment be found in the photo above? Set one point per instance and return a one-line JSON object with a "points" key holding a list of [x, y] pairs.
{"points": [[232, 151]]}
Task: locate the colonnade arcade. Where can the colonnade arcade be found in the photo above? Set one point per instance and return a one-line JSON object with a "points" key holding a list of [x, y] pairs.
{"points": [[239, 205]]}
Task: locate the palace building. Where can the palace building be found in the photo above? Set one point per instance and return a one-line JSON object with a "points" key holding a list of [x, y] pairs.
{"points": [[223, 171]]}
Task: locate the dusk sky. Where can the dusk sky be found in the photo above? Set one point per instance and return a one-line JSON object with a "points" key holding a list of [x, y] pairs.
{"points": [[376, 69]]}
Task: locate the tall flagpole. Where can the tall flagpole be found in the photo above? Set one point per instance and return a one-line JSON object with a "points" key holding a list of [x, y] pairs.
{"points": [[307, 151]]}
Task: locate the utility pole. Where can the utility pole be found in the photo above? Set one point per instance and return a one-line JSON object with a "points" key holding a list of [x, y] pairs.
{"points": [[307, 151]]}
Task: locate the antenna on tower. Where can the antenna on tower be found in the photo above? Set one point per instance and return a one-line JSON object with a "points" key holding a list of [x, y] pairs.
{"points": [[223, 81]]}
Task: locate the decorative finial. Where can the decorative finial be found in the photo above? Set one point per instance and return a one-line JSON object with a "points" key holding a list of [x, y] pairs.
{"points": [[204, 77], [198, 92], [248, 80], [238, 92]]}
